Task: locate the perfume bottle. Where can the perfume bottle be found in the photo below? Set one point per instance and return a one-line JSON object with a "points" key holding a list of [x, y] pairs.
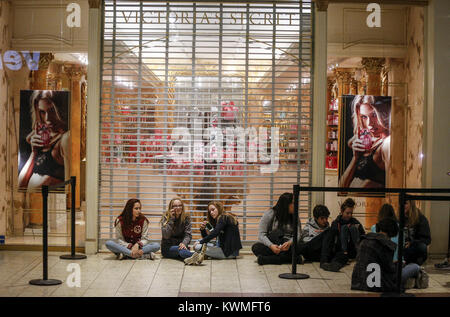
{"points": [[365, 137], [44, 133]]}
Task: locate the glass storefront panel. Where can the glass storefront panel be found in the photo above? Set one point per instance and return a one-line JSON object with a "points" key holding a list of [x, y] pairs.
{"points": [[205, 101]]}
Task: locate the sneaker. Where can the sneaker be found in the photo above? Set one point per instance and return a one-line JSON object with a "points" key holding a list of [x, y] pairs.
{"points": [[193, 259], [118, 256], [201, 255], [443, 265], [332, 267], [410, 283], [148, 256], [422, 279]]}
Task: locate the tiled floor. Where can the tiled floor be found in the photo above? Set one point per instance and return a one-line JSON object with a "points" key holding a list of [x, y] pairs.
{"points": [[103, 275]]}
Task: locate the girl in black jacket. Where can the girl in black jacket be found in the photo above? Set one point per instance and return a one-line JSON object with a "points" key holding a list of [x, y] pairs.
{"points": [[226, 228], [418, 235]]}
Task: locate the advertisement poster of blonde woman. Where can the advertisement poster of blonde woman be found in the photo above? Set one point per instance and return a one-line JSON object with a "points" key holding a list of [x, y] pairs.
{"points": [[365, 137], [43, 138]]}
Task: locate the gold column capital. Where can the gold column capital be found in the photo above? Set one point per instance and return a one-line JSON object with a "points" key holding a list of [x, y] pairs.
{"points": [[344, 74], [373, 64], [74, 71], [44, 60]]}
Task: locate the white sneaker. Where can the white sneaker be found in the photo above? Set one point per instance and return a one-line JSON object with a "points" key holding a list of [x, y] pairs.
{"points": [[148, 256]]}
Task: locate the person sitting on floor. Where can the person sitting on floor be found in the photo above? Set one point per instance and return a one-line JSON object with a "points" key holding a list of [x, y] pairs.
{"points": [[275, 233], [224, 227], [132, 234], [376, 250], [313, 233], [341, 241], [387, 211], [176, 230], [418, 235]]}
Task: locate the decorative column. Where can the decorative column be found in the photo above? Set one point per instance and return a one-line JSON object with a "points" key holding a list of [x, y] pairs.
{"points": [[39, 77], [38, 81], [398, 90], [74, 73], [353, 87], [344, 78], [93, 126], [373, 68]]}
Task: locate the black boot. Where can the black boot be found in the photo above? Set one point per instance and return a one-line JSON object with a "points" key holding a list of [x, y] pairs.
{"points": [[268, 259]]}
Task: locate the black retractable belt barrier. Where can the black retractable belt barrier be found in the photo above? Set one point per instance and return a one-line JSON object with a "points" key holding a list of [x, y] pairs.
{"points": [[403, 196], [45, 189], [72, 255]]}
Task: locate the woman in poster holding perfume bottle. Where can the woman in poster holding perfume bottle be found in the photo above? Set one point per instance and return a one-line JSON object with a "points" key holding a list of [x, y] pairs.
{"points": [[370, 143], [49, 140]]}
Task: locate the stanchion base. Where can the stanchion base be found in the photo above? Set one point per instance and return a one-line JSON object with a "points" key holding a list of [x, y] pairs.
{"points": [[40, 282], [73, 257], [290, 276], [397, 295]]}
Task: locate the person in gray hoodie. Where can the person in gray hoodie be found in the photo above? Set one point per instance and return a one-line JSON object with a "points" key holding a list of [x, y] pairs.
{"points": [[275, 233], [313, 232]]}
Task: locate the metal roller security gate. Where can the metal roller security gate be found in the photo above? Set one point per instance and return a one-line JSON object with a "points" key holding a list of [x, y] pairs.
{"points": [[204, 101]]}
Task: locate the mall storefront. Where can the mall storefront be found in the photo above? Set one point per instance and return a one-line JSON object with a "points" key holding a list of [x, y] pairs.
{"points": [[202, 101], [224, 101]]}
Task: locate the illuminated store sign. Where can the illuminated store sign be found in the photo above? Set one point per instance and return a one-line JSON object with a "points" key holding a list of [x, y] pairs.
{"points": [[14, 60]]}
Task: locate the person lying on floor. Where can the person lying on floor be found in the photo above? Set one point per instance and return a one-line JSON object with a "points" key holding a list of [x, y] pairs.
{"points": [[376, 251], [224, 227], [132, 234], [176, 231], [342, 239], [312, 235], [275, 233]]}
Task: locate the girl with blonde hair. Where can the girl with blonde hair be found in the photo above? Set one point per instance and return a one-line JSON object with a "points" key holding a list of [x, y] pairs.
{"points": [[223, 226], [176, 231]]}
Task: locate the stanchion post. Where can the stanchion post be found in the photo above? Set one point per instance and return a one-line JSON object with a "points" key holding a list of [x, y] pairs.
{"points": [[72, 255], [400, 240], [73, 181], [294, 240], [45, 231], [45, 281], [293, 275]]}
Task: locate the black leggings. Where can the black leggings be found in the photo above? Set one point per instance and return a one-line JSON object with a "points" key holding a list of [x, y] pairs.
{"points": [[260, 249]]}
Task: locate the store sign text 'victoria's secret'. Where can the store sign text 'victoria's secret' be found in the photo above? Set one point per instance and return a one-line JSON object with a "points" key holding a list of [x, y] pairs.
{"points": [[182, 17]]}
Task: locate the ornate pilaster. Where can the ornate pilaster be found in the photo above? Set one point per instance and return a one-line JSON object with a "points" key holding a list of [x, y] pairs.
{"points": [[39, 77], [373, 67], [74, 72]]}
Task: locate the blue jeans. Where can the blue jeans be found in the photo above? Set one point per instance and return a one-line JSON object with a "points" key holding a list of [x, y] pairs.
{"points": [[116, 248], [410, 270], [175, 253], [215, 252]]}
